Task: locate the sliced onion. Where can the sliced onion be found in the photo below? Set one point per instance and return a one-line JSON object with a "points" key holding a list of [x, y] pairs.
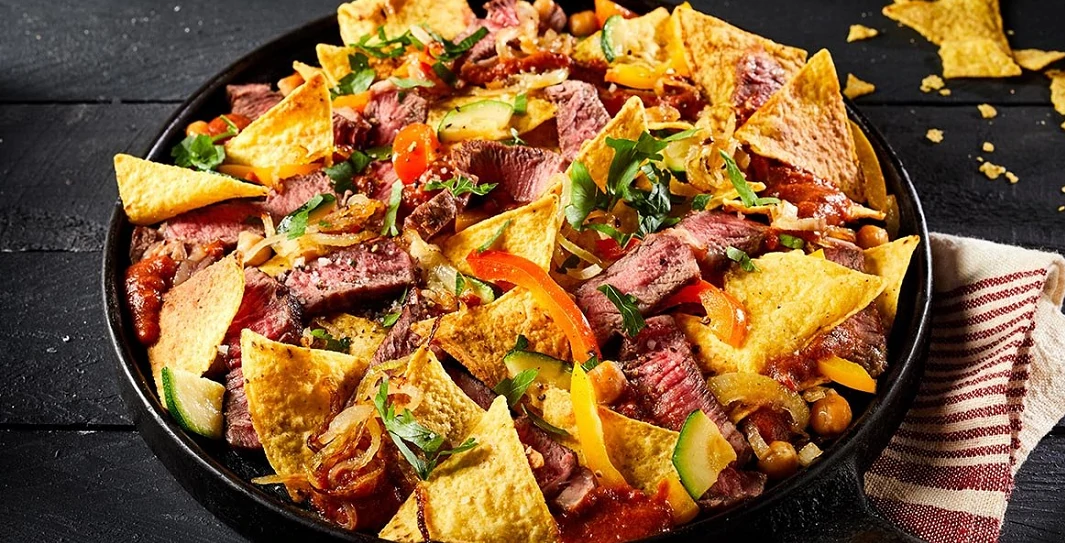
{"points": [[785, 216], [586, 273], [339, 240], [344, 421], [578, 251], [808, 454], [758, 445], [361, 459]]}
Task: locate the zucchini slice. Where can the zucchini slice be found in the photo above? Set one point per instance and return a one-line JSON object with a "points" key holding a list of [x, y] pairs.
{"points": [[701, 453], [487, 119], [195, 402], [551, 370]]}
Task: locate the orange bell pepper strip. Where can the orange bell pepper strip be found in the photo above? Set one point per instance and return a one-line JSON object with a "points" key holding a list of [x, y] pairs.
{"points": [[501, 266], [356, 101], [590, 430], [605, 8], [413, 150], [847, 373], [728, 317]]}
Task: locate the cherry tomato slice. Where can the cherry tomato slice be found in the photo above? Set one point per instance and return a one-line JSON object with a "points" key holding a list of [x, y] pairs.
{"points": [[414, 148]]}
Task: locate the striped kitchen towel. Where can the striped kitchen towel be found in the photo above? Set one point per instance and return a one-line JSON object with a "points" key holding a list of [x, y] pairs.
{"points": [[993, 386]]}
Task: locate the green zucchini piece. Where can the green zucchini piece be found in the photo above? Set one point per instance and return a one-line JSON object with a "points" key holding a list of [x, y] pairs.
{"points": [[486, 119], [552, 371], [606, 37], [701, 453], [195, 402]]}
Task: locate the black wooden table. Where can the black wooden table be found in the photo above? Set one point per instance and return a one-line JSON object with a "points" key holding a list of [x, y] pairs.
{"points": [[83, 80]]}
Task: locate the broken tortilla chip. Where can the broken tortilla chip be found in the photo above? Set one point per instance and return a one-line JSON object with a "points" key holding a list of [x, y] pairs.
{"points": [[487, 493], [1035, 59], [153, 192], [717, 48], [336, 64], [479, 337], [789, 300], [1057, 89], [363, 335], [195, 317], [290, 392], [306, 71], [861, 32], [444, 407], [804, 124], [976, 58], [856, 87], [596, 155], [890, 261], [299, 130], [449, 18], [531, 234]]}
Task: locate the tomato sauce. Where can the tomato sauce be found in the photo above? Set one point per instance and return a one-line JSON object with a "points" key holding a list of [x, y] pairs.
{"points": [[538, 62], [813, 196], [146, 282], [616, 516]]}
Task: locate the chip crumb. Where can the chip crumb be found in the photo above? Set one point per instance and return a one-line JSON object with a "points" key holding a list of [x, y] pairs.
{"points": [[987, 111], [1036, 59], [856, 87], [979, 159], [1061, 208], [944, 92], [931, 83], [861, 32], [1057, 89], [992, 171], [934, 135], [988, 147], [1012, 177]]}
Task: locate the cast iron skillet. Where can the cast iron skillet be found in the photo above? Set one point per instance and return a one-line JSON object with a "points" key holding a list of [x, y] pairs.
{"points": [[823, 502]]}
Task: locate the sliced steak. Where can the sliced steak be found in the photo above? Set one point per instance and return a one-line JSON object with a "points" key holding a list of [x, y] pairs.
{"points": [[555, 464], [267, 309], [390, 109], [252, 100], [350, 128], [239, 430], [377, 181], [711, 233], [733, 486], [845, 254], [581, 116], [658, 363], [577, 493], [431, 217], [653, 271], [472, 386], [221, 222], [758, 76], [295, 191], [401, 340], [368, 271], [523, 172], [501, 14], [143, 239]]}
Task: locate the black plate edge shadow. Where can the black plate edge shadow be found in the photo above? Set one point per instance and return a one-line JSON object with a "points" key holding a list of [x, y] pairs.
{"points": [[824, 502]]}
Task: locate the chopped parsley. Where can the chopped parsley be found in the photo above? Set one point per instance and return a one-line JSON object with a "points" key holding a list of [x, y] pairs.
{"points": [[791, 242], [739, 182], [741, 257], [513, 389], [453, 50], [295, 223], [203, 152], [360, 78], [490, 242], [342, 173], [521, 104], [631, 319], [444, 73], [377, 45], [461, 185], [405, 431], [341, 345], [700, 201], [389, 227]]}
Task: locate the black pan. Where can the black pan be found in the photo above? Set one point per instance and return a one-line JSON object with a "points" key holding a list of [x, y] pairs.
{"points": [[823, 502]]}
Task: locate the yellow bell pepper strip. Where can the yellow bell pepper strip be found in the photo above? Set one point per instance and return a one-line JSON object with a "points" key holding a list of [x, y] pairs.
{"points": [[727, 316], [590, 431], [502, 266], [269, 176], [847, 373], [636, 76], [678, 59], [684, 507]]}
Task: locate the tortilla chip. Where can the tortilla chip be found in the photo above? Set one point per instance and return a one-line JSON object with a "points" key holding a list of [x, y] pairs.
{"points": [[932, 82], [934, 135], [531, 234], [290, 392], [596, 155], [195, 317], [487, 493], [1035, 59], [641, 38], [890, 261], [153, 192], [861, 32], [449, 18], [480, 336], [714, 48], [969, 33], [1057, 90], [874, 186], [789, 300], [299, 130], [365, 335], [444, 408], [856, 87], [804, 124], [537, 109], [306, 71], [335, 63]]}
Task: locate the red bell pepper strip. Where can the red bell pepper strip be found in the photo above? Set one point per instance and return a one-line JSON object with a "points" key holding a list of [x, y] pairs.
{"points": [[728, 318]]}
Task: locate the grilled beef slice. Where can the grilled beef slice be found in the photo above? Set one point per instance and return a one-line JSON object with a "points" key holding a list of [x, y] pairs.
{"points": [[711, 233], [388, 112], [252, 100], [350, 128], [368, 271], [268, 309], [581, 116], [522, 172], [431, 217], [294, 192], [219, 222], [239, 430]]}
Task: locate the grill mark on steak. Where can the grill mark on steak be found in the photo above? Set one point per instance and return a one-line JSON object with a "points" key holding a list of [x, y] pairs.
{"points": [[295, 191], [711, 233], [221, 222], [239, 429], [658, 363], [652, 272], [374, 270], [252, 100], [523, 172], [581, 115]]}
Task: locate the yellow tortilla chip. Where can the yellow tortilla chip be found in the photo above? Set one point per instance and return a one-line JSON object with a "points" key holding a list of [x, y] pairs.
{"points": [[306, 71], [153, 192], [335, 63], [641, 38], [299, 130], [714, 48], [480, 336], [195, 317], [874, 186], [290, 393], [596, 155], [804, 124], [861, 32], [890, 261], [365, 335], [1057, 90], [1035, 59], [790, 299], [449, 18], [487, 493], [976, 58], [856, 87], [531, 234], [444, 407]]}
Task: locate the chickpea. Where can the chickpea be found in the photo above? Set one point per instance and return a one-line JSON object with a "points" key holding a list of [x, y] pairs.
{"points": [[544, 8], [198, 128], [781, 460], [830, 415], [871, 236], [608, 381], [583, 23], [245, 242]]}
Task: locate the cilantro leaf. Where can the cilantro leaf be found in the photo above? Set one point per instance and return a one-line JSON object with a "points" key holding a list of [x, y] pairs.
{"points": [[542, 424], [379, 46], [619, 237], [461, 185], [591, 363], [684, 134], [488, 244], [791, 242], [383, 152], [514, 389], [342, 173], [631, 318], [629, 155], [203, 152], [295, 223], [583, 195], [739, 182], [389, 227], [444, 73], [405, 83], [390, 319], [454, 50], [360, 78], [741, 257], [341, 345], [521, 104], [700, 201]]}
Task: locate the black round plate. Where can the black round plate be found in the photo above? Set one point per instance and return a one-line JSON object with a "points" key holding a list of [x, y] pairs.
{"points": [[795, 509]]}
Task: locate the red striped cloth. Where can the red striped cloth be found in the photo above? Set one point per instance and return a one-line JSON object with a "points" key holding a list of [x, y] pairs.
{"points": [[994, 385]]}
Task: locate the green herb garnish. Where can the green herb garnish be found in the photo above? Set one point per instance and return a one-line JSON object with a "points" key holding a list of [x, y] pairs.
{"points": [[591, 363], [700, 201], [543, 424], [791, 242], [461, 185], [444, 73], [741, 257], [342, 173], [514, 388], [378, 45], [631, 318], [488, 244], [454, 50], [389, 227], [295, 223], [341, 345], [405, 83], [359, 80], [203, 152], [521, 104], [739, 182]]}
